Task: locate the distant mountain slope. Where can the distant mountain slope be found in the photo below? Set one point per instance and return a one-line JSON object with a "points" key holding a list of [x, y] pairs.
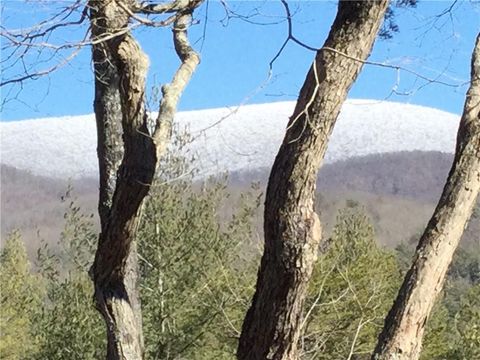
{"points": [[33, 204], [418, 175], [241, 139], [399, 191]]}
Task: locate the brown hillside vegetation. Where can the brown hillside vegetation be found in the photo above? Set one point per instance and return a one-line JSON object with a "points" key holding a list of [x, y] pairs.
{"points": [[398, 190], [409, 174], [34, 204]]}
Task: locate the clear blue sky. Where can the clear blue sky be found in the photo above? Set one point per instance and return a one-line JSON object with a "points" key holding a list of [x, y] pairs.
{"points": [[235, 57]]}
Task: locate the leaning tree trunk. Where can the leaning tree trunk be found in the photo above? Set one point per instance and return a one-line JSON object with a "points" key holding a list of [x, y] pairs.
{"points": [[292, 228], [401, 338]]}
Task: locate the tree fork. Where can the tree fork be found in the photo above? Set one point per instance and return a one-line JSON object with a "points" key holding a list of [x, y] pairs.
{"points": [[120, 73]]}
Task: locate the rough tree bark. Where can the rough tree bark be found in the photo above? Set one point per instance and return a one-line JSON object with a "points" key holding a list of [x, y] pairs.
{"points": [[120, 73], [401, 338], [108, 114], [117, 299], [292, 228]]}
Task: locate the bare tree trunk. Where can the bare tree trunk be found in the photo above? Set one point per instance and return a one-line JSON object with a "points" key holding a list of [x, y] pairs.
{"points": [[401, 338], [128, 156], [123, 318], [108, 114], [292, 228]]}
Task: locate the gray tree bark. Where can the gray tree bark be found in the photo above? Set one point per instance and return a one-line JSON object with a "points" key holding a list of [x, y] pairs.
{"points": [[124, 325], [292, 228], [401, 337], [128, 156]]}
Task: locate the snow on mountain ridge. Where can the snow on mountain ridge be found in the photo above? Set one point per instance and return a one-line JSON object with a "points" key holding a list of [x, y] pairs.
{"points": [[234, 139]]}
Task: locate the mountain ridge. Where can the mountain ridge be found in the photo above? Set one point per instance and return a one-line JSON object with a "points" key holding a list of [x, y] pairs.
{"points": [[234, 139]]}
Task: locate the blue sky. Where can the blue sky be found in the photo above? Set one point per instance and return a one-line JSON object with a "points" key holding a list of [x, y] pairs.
{"points": [[235, 56]]}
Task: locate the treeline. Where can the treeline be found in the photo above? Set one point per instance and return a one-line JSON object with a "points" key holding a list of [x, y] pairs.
{"points": [[197, 276]]}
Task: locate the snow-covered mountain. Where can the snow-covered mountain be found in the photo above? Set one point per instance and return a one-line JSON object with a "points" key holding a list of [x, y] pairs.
{"points": [[234, 139]]}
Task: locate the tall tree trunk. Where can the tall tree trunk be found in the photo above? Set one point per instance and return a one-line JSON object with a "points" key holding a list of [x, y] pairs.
{"points": [[108, 114], [292, 228], [123, 318], [401, 338], [120, 74]]}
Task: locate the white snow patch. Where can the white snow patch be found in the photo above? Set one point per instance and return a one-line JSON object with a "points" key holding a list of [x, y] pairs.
{"points": [[246, 139]]}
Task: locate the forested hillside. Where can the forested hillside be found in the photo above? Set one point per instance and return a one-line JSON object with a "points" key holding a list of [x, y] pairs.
{"points": [[195, 294]]}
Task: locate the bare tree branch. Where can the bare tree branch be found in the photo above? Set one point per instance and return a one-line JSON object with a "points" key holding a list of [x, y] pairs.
{"points": [[174, 6], [19, 43], [292, 37], [171, 92]]}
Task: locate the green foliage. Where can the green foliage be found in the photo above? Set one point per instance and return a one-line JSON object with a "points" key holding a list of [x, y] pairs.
{"points": [[404, 253], [21, 296], [466, 264], [454, 335], [389, 26], [188, 261], [352, 288], [68, 323], [191, 260], [452, 331], [438, 338], [467, 326]]}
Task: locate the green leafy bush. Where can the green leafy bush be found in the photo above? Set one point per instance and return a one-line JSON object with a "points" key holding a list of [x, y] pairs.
{"points": [[352, 288], [68, 324], [21, 296], [187, 258]]}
